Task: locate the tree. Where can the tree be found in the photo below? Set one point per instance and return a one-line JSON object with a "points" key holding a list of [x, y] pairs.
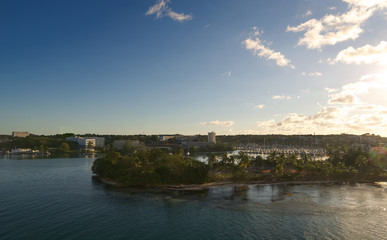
{"points": [[64, 147], [178, 151], [150, 167], [244, 160], [42, 149], [212, 161]]}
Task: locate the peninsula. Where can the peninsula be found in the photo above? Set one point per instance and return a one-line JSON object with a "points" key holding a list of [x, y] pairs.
{"points": [[157, 168]]}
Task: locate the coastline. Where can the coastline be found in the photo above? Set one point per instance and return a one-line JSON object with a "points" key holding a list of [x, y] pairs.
{"points": [[242, 185]]}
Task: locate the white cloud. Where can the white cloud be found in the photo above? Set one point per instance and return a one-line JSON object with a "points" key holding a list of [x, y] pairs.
{"points": [[313, 74], [368, 3], [279, 97], [260, 106], [218, 123], [332, 29], [297, 123], [259, 49], [161, 9], [348, 111], [308, 13], [350, 93], [327, 121], [179, 16], [249, 132], [367, 54], [257, 32], [227, 132], [330, 90], [343, 99]]}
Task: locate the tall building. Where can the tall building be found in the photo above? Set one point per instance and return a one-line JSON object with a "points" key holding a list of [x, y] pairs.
{"points": [[211, 137], [20, 134]]}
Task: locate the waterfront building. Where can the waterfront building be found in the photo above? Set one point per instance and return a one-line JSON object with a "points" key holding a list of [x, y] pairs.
{"points": [[20, 134], [88, 142], [99, 141], [211, 137]]}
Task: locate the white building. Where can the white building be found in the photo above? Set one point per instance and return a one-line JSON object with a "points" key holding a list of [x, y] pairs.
{"points": [[99, 141], [88, 142], [20, 134], [211, 137]]}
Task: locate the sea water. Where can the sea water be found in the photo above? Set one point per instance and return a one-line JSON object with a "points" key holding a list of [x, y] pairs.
{"points": [[59, 199]]}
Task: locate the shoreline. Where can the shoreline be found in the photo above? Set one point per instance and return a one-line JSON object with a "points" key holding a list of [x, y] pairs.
{"points": [[245, 184]]}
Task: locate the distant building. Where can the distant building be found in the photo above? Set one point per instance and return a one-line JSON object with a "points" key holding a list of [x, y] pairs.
{"points": [[163, 138], [99, 141], [20, 134], [211, 137], [88, 142], [121, 144]]}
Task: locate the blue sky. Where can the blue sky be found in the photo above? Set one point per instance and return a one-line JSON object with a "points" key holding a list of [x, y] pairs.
{"points": [[189, 67]]}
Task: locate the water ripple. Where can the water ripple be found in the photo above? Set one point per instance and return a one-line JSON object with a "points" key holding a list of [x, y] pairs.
{"points": [[57, 199]]}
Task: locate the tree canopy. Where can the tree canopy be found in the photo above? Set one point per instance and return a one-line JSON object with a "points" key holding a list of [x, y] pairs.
{"points": [[156, 167]]}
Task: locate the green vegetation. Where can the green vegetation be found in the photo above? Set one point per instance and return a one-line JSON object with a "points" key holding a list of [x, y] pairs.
{"points": [[64, 148], [156, 167], [53, 144], [344, 163]]}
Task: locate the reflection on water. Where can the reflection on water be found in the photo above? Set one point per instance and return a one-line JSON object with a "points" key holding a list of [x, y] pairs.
{"points": [[51, 156], [59, 199]]}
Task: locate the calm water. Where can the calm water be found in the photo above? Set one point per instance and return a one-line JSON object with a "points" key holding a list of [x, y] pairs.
{"points": [[58, 199]]}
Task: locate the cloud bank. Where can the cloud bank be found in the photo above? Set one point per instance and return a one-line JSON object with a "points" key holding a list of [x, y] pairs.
{"points": [[332, 29], [364, 55], [347, 112]]}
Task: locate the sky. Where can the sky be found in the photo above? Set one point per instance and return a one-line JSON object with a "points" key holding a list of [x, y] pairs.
{"points": [[191, 67]]}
